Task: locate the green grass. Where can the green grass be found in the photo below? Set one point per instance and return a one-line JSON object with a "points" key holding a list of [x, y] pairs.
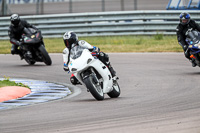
{"points": [[7, 82], [156, 43]]}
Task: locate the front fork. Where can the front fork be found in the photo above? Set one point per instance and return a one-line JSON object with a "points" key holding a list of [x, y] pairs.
{"points": [[26, 52], [92, 73], [196, 58]]}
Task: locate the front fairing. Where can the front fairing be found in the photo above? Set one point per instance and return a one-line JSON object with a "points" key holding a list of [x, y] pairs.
{"points": [[32, 39], [193, 40], [80, 62], [31, 42], [194, 48], [85, 61]]}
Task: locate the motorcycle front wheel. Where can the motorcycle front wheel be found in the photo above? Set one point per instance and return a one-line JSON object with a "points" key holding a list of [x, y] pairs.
{"points": [[29, 62], [116, 90], [45, 55], [94, 88]]}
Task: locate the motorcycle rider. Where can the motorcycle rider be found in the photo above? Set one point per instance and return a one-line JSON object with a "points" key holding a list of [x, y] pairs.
{"points": [[73, 46], [186, 23], [15, 32]]}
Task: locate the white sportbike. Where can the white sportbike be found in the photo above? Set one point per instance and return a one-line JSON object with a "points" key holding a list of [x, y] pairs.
{"points": [[94, 74]]}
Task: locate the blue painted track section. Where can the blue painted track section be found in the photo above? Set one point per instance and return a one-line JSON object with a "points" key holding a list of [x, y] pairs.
{"points": [[41, 91]]}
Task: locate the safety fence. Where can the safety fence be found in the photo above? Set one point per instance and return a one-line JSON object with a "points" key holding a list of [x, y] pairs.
{"points": [[42, 7], [104, 23]]}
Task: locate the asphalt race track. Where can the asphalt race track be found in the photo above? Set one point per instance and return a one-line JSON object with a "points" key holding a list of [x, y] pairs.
{"points": [[160, 94]]}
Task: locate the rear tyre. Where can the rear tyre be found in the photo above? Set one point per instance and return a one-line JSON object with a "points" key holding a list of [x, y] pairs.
{"points": [[116, 90], [45, 55], [94, 88]]}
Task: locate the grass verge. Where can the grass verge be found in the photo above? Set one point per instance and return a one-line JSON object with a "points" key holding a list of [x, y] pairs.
{"points": [[7, 82], [156, 43]]}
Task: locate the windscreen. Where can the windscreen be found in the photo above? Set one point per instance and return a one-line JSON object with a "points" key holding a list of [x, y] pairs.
{"points": [[29, 31], [76, 51], [193, 36]]}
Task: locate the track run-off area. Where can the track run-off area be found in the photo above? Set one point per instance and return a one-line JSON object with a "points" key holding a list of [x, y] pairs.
{"points": [[159, 94]]}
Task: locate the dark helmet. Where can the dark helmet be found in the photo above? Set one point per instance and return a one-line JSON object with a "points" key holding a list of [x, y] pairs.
{"points": [[15, 20], [184, 18], [70, 38]]}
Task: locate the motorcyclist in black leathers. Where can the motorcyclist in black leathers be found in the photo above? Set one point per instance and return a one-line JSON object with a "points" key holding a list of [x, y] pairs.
{"points": [[186, 23], [15, 32]]}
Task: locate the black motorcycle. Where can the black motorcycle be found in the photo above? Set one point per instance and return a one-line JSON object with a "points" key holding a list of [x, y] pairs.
{"points": [[32, 48]]}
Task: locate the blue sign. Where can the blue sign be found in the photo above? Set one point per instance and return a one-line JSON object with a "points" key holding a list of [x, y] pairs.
{"points": [[182, 5], [26, 1]]}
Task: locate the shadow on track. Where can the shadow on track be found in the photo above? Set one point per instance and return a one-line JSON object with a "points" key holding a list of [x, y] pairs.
{"points": [[192, 73], [35, 65], [94, 100]]}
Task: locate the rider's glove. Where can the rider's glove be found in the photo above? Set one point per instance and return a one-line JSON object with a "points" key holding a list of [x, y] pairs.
{"points": [[96, 49], [19, 43], [66, 68], [195, 40], [185, 47], [35, 28]]}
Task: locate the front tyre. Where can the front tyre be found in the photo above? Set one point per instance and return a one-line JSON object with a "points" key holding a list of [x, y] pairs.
{"points": [[116, 90], [94, 88], [45, 55], [29, 61]]}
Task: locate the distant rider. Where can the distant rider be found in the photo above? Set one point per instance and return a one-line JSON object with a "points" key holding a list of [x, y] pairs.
{"points": [[185, 24], [73, 46], [15, 32]]}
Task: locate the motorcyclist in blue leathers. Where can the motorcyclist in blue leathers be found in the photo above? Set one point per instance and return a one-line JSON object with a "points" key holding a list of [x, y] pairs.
{"points": [[186, 23]]}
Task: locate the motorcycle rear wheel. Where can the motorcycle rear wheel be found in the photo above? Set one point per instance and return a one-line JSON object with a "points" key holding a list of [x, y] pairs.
{"points": [[45, 55], [94, 88], [116, 90]]}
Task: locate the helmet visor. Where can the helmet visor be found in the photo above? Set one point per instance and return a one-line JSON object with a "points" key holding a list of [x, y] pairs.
{"points": [[67, 43], [185, 20], [15, 22]]}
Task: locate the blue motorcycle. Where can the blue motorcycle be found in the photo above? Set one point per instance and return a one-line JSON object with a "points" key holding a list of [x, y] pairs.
{"points": [[193, 40]]}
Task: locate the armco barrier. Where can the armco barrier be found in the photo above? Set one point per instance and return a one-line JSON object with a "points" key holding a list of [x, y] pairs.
{"points": [[104, 23]]}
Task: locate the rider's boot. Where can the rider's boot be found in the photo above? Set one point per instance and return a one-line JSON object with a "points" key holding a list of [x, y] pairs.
{"points": [[17, 52], [21, 55], [112, 71]]}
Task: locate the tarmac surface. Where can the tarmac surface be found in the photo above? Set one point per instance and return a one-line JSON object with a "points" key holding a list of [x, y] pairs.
{"points": [[159, 94]]}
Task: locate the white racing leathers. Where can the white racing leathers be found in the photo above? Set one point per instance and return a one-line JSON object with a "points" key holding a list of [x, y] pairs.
{"points": [[76, 51], [90, 71]]}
